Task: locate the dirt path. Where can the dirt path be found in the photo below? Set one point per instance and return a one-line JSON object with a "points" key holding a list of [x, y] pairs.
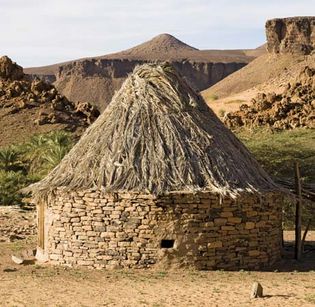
{"points": [[288, 284]]}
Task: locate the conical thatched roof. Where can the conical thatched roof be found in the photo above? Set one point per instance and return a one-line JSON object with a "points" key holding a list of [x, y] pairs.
{"points": [[156, 136]]}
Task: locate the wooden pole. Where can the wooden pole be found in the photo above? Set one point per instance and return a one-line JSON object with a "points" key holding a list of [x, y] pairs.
{"points": [[305, 234], [298, 213]]}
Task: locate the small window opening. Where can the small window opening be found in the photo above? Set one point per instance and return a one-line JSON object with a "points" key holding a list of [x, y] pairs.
{"points": [[167, 243]]}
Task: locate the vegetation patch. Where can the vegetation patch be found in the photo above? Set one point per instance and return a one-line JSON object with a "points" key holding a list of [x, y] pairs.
{"points": [[277, 151], [212, 97], [23, 164]]}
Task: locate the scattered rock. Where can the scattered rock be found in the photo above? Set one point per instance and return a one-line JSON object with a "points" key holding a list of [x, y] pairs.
{"points": [[257, 290], [19, 93], [17, 260], [293, 108]]}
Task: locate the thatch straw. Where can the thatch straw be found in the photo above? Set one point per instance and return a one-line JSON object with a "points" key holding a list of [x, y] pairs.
{"points": [[156, 136]]}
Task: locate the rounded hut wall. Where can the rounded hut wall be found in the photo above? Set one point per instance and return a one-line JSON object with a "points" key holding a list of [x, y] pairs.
{"points": [[182, 229]]}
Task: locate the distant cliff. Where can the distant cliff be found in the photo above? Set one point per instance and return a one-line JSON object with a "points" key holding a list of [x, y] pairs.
{"points": [[96, 81], [295, 35]]}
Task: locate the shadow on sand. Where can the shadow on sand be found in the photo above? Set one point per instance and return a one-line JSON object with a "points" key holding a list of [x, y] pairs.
{"points": [[289, 264]]}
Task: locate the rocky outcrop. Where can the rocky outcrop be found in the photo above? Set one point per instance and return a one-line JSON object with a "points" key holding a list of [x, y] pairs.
{"points": [[294, 35], [295, 107], [25, 103], [96, 80], [10, 70]]}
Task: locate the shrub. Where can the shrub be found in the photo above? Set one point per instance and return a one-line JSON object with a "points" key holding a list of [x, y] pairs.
{"points": [[10, 159], [29, 162], [10, 183]]}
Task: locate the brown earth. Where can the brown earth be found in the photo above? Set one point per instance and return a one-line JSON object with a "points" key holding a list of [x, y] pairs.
{"points": [[29, 107], [96, 79], [166, 47], [289, 283], [16, 224], [267, 73], [293, 108]]}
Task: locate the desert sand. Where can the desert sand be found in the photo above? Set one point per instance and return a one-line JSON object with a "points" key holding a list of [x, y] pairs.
{"points": [[289, 283]]}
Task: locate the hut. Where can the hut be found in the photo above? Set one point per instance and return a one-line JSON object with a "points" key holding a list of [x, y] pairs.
{"points": [[158, 181]]}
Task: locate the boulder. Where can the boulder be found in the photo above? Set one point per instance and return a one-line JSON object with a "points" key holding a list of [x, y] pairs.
{"points": [[10, 70], [257, 290]]}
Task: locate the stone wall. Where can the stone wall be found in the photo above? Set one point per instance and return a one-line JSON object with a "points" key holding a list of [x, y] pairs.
{"points": [[294, 35], [126, 230]]}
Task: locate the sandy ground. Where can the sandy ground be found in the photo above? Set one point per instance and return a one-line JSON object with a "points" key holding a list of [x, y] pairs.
{"points": [[289, 283]]}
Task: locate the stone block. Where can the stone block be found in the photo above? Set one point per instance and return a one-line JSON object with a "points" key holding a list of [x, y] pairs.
{"points": [[234, 220], [220, 221], [227, 227], [215, 244], [85, 262], [254, 253], [226, 214], [249, 225]]}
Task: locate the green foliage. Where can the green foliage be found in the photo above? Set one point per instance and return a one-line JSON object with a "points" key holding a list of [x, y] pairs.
{"points": [[10, 159], [29, 162], [44, 152], [10, 183], [277, 151]]}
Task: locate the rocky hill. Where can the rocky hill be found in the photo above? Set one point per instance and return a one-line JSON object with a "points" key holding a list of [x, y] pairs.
{"points": [[34, 106], [293, 108], [290, 43], [96, 79]]}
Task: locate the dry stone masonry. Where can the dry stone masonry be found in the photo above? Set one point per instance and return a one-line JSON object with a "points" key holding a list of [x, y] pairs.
{"points": [[200, 230]]}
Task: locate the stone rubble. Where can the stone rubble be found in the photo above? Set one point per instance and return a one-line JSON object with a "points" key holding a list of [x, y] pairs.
{"points": [[16, 224], [19, 92], [294, 108]]}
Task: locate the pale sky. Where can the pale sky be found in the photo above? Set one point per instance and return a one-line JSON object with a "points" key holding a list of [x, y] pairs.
{"points": [[42, 32]]}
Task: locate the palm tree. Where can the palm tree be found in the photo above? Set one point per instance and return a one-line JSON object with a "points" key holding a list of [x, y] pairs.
{"points": [[45, 151], [34, 150], [10, 159]]}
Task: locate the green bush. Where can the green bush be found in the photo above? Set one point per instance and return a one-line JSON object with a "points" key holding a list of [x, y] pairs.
{"points": [[11, 159], [29, 162], [44, 152], [10, 183]]}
